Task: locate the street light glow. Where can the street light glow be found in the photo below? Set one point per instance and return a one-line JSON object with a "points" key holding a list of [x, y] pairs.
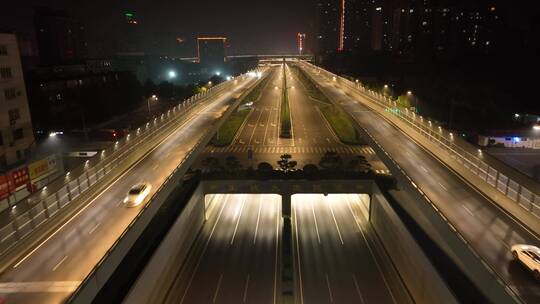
{"points": [[536, 127], [172, 74], [409, 92]]}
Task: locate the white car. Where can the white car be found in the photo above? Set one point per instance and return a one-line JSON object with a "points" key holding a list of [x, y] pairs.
{"points": [[137, 194], [529, 256]]}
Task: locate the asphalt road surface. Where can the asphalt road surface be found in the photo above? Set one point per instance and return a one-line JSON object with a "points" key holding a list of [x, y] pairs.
{"points": [[333, 259], [312, 135], [261, 127], [488, 229], [235, 259], [55, 268]]}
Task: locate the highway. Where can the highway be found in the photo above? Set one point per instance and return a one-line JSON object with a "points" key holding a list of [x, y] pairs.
{"points": [[309, 126], [334, 260], [489, 230], [57, 265], [312, 136], [235, 258], [261, 126]]}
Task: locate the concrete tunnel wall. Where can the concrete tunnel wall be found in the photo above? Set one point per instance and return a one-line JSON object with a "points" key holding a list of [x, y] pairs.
{"points": [[419, 276], [164, 265]]}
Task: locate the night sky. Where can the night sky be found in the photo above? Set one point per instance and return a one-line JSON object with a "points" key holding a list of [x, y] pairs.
{"points": [[251, 26]]}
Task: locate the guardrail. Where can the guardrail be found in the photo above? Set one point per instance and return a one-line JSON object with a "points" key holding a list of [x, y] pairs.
{"points": [[457, 148], [62, 192], [483, 273], [99, 273]]}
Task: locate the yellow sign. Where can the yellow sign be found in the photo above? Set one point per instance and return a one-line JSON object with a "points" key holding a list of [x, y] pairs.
{"points": [[37, 169]]}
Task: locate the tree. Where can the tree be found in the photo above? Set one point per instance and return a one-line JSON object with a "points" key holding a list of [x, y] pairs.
{"points": [[360, 164], [232, 163], [265, 167], [149, 88], [286, 164], [310, 169], [210, 164], [331, 161]]}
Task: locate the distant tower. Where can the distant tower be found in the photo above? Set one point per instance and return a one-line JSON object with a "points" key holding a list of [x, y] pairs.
{"points": [[301, 40], [341, 45], [130, 41]]}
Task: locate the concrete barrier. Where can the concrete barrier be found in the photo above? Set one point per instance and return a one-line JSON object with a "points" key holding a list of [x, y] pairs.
{"points": [[166, 261], [101, 273], [439, 229], [422, 280]]}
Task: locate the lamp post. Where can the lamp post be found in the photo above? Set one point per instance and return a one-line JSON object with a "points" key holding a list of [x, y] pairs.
{"points": [[153, 98], [410, 94]]}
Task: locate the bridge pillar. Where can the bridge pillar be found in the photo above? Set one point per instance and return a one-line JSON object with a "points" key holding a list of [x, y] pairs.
{"points": [[286, 205]]}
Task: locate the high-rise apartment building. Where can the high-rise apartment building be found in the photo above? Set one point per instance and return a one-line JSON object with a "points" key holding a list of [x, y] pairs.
{"points": [[407, 27], [328, 26], [60, 38], [211, 52], [16, 135]]}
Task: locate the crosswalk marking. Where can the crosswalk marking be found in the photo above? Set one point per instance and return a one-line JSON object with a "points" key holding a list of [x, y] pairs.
{"points": [[291, 149]]}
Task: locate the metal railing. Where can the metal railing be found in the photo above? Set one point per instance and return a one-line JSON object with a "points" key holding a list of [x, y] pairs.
{"points": [[61, 193], [193, 152], [492, 272], [457, 148]]}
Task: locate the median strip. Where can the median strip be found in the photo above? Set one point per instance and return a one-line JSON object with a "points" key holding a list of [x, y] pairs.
{"points": [[335, 116]]}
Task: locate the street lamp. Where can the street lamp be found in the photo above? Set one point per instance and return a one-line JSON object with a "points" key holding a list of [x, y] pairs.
{"points": [[409, 93], [153, 98]]}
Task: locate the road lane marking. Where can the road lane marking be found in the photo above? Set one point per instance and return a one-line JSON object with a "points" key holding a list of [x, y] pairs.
{"points": [[155, 167], [255, 128], [93, 228], [217, 288], [468, 210], [335, 222], [238, 220], [258, 217], [329, 289], [246, 289], [424, 168], [442, 186], [298, 256], [204, 250], [316, 226], [42, 286], [144, 157], [59, 263], [358, 289]]}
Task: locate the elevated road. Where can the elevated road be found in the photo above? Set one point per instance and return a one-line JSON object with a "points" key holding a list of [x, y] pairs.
{"points": [[490, 230], [57, 265]]}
